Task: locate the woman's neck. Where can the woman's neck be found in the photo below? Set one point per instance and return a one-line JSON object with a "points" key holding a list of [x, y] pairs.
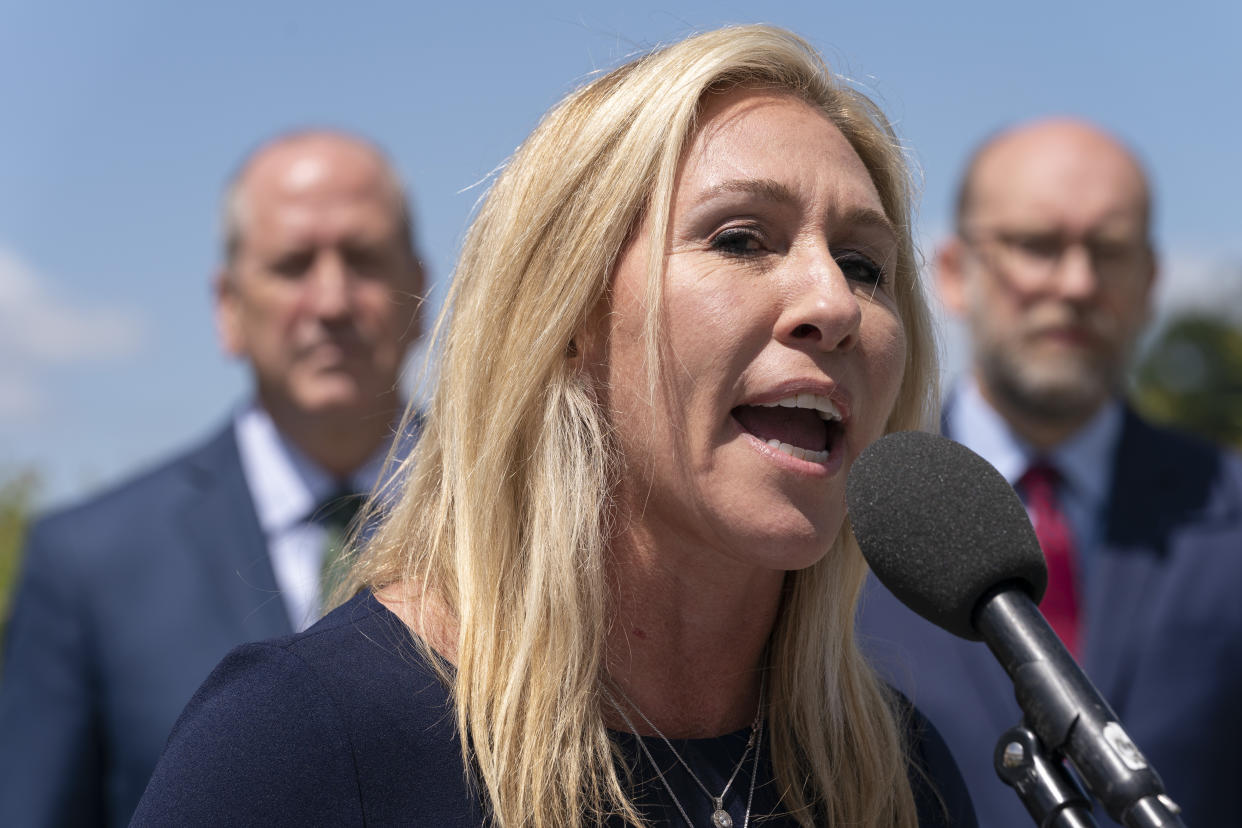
{"points": [[426, 616], [687, 640]]}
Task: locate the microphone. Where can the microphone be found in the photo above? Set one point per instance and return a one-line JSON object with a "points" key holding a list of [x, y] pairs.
{"points": [[948, 536]]}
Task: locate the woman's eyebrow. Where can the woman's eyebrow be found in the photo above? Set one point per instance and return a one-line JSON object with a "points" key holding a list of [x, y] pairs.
{"points": [[867, 217], [769, 189], [764, 188]]}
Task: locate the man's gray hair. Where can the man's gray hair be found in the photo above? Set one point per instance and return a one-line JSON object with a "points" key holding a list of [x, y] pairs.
{"points": [[234, 207]]}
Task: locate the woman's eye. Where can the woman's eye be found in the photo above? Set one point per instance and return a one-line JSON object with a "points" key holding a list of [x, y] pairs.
{"points": [[860, 268], [738, 242]]}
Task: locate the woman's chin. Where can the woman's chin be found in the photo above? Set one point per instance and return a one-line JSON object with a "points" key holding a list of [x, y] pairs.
{"points": [[795, 543]]}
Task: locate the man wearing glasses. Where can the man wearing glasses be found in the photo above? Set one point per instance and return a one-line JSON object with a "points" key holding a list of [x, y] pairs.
{"points": [[1052, 268]]}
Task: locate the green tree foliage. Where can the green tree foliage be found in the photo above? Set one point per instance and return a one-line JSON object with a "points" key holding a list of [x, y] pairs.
{"points": [[1191, 378], [17, 493]]}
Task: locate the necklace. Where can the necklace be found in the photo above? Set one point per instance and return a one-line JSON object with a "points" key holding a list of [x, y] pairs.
{"points": [[720, 817]]}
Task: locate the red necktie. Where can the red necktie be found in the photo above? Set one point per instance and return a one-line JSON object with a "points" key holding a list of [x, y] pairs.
{"points": [[1060, 604]]}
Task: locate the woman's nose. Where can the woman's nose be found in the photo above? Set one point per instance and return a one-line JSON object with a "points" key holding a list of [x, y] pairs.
{"points": [[822, 312]]}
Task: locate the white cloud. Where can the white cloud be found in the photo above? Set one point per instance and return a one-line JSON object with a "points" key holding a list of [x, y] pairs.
{"points": [[38, 327], [41, 329], [1196, 283]]}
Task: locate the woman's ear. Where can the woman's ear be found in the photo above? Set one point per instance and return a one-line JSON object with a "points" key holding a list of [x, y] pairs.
{"points": [[589, 343]]}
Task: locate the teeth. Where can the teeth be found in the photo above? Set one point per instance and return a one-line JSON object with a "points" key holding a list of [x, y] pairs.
{"points": [[815, 402], [800, 453]]}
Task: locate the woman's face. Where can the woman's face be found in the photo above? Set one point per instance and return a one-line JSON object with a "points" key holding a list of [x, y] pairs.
{"points": [[782, 344]]}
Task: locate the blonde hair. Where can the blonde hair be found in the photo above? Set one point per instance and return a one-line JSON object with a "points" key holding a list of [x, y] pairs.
{"points": [[502, 522]]}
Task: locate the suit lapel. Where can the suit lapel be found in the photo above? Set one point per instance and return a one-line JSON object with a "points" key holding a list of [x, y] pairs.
{"points": [[223, 527], [1144, 506], [1123, 581]]}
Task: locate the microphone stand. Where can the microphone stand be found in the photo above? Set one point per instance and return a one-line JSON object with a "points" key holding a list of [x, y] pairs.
{"points": [[1062, 708], [1050, 795]]}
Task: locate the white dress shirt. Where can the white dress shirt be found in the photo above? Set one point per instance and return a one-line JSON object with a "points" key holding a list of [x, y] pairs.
{"points": [[286, 487], [1085, 460]]}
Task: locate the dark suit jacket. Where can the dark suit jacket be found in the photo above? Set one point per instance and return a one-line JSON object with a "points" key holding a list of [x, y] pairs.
{"points": [[125, 605], [1163, 638]]}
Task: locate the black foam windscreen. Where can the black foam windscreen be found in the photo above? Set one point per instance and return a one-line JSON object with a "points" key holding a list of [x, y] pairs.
{"points": [[940, 527]]}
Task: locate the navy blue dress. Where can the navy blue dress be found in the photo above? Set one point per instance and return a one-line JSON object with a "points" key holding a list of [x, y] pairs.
{"points": [[346, 724]]}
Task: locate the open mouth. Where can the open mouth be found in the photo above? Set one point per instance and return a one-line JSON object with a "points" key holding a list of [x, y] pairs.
{"points": [[805, 426]]}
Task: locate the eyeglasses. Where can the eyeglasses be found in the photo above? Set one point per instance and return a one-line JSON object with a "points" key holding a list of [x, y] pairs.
{"points": [[1037, 254]]}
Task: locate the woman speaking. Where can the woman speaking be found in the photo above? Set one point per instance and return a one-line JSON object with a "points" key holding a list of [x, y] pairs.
{"points": [[617, 584]]}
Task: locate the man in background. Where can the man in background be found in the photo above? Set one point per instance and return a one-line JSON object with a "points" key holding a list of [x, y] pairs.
{"points": [[1052, 268], [127, 602]]}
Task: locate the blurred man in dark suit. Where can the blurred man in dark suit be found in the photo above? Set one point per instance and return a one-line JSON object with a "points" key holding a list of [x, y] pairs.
{"points": [[127, 602], [1052, 268]]}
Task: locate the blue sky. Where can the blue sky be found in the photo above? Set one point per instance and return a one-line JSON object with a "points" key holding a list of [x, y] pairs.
{"points": [[122, 119]]}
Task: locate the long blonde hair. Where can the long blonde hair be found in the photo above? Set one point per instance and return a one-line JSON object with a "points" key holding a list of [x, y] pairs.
{"points": [[502, 518]]}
